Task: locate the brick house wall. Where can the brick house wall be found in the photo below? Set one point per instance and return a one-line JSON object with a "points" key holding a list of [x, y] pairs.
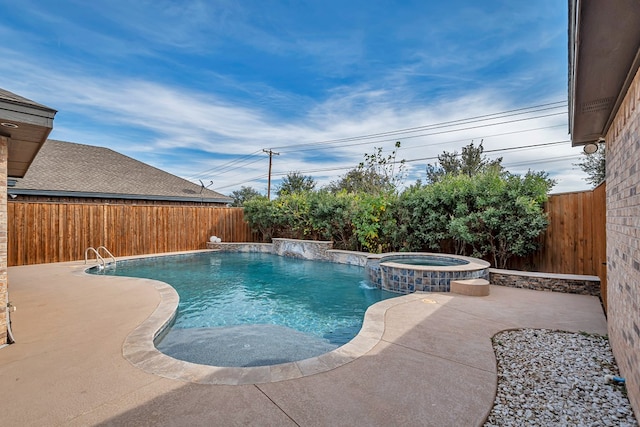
{"points": [[623, 239], [4, 143]]}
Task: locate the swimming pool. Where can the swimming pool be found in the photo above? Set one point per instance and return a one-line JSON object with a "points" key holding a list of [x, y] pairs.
{"points": [[256, 309]]}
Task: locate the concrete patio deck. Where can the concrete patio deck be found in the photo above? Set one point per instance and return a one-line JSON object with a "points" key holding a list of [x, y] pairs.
{"points": [[432, 366]]}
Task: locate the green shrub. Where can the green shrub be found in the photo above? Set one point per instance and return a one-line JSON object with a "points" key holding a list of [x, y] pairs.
{"points": [[493, 215]]}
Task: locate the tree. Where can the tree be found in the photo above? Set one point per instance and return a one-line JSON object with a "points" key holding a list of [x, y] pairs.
{"points": [[491, 214], [243, 195], [359, 180], [295, 182], [507, 215], [470, 162], [375, 175], [594, 165]]}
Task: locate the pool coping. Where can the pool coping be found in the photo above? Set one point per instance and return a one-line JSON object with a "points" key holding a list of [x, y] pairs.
{"points": [[139, 349], [471, 264]]}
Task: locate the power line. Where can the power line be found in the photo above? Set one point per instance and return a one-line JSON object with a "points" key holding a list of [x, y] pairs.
{"points": [[235, 167], [432, 133], [497, 150], [253, 179], [432, 144], [538, 161], [486, 117], [318, 145], [225, 166], [456, 130], [427, 145]]}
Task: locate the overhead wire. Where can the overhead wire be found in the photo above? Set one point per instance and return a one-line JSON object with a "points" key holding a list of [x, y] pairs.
{"points": [[433, 144], [225, 166], [285, 150], [497, 150], [450, 123], [365, 139], [538, 161], [406, 133]]}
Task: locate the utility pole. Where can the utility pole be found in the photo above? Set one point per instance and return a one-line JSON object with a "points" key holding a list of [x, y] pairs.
{"points": [[271, 153]]}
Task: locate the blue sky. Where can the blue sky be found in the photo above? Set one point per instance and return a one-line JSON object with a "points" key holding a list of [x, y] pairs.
{"points": [[200, 88]]}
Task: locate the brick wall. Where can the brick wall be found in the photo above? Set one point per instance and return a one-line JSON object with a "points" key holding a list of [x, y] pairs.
{"points": [[623, 239], [3, 239]]}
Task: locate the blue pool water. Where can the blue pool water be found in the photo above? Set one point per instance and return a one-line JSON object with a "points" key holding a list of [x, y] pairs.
{"points": [[253, 309]]}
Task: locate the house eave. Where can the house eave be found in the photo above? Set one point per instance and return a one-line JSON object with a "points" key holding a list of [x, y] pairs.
{"points": [[604, 55], [27, 125]]}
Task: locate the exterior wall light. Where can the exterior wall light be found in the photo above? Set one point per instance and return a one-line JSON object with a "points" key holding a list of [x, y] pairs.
{"points": [[590, 148]]}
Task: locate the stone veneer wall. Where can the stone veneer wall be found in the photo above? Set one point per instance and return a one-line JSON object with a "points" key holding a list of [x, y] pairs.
{"points": [[340, 256], [322, 249], [4, 291], [305, 249], [566, 283], [241, 247], [623, 239]]}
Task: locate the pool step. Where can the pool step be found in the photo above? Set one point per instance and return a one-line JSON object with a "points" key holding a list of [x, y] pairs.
{"points": [[471, 287]]}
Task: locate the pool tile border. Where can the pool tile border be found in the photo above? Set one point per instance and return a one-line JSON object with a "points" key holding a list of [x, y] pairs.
{"points": [[389, 273], [139, 350]]}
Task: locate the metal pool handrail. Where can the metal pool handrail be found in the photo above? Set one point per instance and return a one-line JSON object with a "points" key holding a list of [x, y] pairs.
{"points": [[108, 253], [98, 257]]}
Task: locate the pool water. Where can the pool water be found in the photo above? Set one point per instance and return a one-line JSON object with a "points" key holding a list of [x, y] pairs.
{"points": [[254, 309]]}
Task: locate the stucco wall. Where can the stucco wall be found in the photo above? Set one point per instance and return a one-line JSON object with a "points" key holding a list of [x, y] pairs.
{"points": [[3, 240], [623, 239]]}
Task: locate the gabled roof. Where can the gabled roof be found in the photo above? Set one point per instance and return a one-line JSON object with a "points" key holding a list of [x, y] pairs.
{"points": [[27, 124], [77, 170]]}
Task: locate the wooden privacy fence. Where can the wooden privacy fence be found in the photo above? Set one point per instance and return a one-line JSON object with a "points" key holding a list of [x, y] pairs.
{"points": [[575, 241], [51, 232]]}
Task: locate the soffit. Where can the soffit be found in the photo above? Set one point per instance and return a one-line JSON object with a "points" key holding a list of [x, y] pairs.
{"points": [[27, 125], [604, 39]]}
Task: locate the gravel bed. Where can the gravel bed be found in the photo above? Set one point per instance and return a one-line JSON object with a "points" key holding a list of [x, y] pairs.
{"points": [[552, 378]]}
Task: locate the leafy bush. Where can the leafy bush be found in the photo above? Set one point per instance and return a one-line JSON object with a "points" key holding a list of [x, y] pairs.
{"points": [[423, 213], [262, 216], [373, 221], [330, 218]]}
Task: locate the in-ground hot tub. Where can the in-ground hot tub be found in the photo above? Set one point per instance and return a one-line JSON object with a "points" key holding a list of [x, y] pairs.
{"points": [[407, 272]]}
